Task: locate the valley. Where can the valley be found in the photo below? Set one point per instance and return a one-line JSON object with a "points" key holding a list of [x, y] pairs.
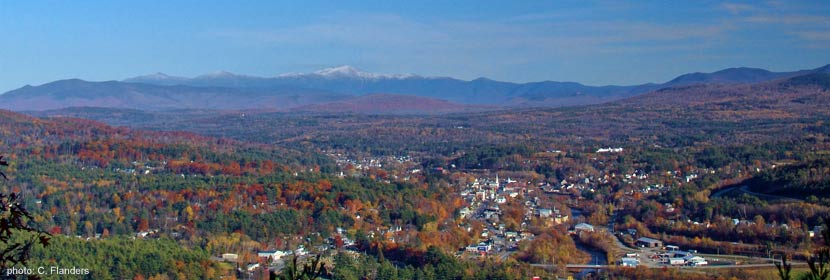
{"points": [[494, 192]]}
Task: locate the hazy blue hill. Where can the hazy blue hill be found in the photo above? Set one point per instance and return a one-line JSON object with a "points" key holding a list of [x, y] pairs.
{"points": [[741, 75], [79, 93], [821, 79], [223, 90], [481, 91]]}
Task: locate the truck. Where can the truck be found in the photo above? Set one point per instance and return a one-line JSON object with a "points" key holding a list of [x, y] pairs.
{"points": [[676, 261]]}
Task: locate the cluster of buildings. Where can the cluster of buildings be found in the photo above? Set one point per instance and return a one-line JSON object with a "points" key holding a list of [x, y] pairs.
{"points": [[672, 256], [609, 150], [484, 197], [141, 168]]}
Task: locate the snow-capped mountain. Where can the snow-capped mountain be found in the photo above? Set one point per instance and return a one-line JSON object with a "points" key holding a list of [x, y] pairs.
{"points": [[159, 76], [350, 80], [346, 71], [482, 91]]}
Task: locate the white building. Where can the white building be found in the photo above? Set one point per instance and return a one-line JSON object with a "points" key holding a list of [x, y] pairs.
{"points": [[629, 262], [583, 227]]}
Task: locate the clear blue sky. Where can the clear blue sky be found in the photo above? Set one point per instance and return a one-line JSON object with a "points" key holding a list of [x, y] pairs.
{"points": [[596, 43]]}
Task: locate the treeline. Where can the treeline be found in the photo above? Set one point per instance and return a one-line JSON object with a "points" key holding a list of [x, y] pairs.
{"points": [[800, 180], [432, 264], [493, 157], [257, 205], [124, 258]]}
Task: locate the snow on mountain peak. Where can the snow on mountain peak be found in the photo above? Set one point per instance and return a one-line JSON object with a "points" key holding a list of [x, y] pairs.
{"points": [[158, 76], [219, 74], [346, 71]]}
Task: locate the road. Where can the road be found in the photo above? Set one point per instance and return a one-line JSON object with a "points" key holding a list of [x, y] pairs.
{"points": [[590, 266]]}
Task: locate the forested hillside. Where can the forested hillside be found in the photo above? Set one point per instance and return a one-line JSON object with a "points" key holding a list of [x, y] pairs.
{"points": [[800, 180], [85, 179]]}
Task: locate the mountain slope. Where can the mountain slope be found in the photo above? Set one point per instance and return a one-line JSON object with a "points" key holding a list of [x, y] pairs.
{"points": [[741, 75], [481, 91], [780, 92], [228, 91], [349, 80], [676, 117], [386, 104], [76, 93]]}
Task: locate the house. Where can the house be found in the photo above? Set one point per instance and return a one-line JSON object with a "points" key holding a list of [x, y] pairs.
{"points": [[484, 247], [544, 212], [583, 227], [646, 242], [481, 195], [488, 213], [629, 262], [252, 267], [560, 219], [272, 254], [681, 254], [147, 233], [230, 257], [609, 150], [501, 200]]}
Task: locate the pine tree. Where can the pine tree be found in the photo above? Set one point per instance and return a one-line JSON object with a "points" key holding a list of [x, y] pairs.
{"points": [[16, 236]]}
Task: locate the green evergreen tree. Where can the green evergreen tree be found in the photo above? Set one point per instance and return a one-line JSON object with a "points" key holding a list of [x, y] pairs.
{"points": [[345, 267], [18, 238], [387, 271]]}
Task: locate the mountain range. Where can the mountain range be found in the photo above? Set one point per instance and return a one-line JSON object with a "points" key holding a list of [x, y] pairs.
{"points": [[347, 89]]}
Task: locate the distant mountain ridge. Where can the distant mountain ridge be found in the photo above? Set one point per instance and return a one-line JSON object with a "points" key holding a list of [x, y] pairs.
{"points": [[334, 86], [741, 75], [481, 91], [113, 94], [811, 88]]}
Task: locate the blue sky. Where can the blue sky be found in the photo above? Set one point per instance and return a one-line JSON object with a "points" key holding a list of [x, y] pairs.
{"points": [[596, 43]]}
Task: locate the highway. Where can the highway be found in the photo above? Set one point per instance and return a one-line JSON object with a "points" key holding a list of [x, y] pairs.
{"points": [[590, 266]]}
